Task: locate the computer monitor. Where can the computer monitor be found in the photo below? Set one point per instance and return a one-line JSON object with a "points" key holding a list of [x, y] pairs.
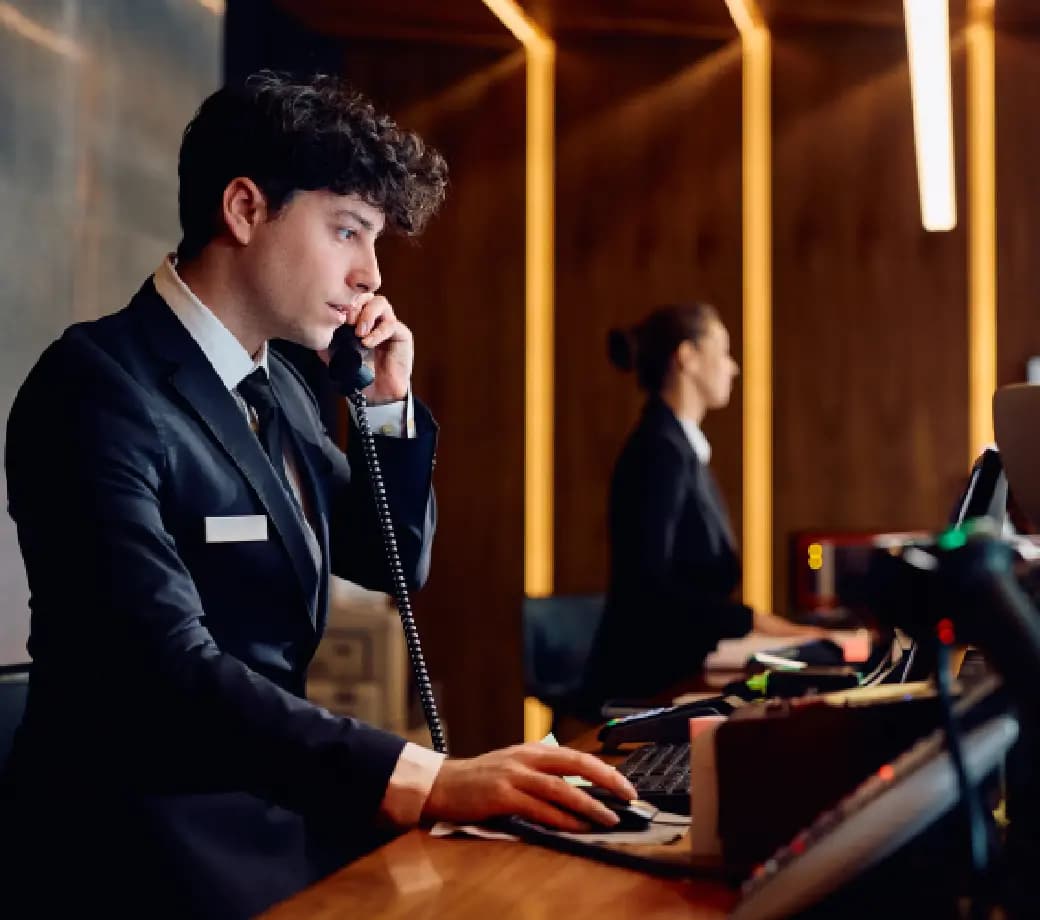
{"points": [[1016, 414], [986, 493]]}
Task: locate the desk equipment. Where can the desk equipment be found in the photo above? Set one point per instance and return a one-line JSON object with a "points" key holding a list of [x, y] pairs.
{"points": [[1016, 412], [660, 774], [667, 723], [350, 371], [886, 812], [965, 585], [632, 816], [780, 762], [841, 646], [671, 723]]}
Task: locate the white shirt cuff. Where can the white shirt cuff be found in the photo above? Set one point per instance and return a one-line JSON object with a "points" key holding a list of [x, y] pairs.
{"points": [[395, 419], [410, 784]]}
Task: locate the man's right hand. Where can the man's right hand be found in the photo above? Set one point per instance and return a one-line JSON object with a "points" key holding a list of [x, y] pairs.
{"points": [[525, 780]]}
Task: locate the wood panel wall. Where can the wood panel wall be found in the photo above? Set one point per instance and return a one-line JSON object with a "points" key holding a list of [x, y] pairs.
{"points": [[1018, 192], [460, 287], [870, 312], [648, 212]]}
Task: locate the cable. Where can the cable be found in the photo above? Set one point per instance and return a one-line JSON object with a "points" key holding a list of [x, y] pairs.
{"points": [[400, 586], [969, 792], [555, 840], [909, 661], [881, 670]]}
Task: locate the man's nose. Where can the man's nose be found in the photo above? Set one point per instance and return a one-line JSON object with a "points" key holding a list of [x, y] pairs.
{"points": [[364, 277]]}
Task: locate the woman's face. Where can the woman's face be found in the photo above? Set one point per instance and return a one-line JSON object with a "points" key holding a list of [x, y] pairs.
{"points": [[710, 366]]}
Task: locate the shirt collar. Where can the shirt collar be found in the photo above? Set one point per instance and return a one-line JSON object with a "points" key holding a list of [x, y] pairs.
{"points": [[699, 443], [229, 359]]}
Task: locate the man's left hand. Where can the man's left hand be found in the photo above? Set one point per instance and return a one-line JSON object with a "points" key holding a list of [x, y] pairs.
{"points": [[392, 345]]}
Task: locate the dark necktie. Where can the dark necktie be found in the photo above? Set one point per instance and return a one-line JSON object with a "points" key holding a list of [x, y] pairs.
{"points": [[256, 391]]}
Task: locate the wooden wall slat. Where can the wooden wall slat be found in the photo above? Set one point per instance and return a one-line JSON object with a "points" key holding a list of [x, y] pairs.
{"points": [[870, 312], [1018, 191], [461, 290], [648, 212]]}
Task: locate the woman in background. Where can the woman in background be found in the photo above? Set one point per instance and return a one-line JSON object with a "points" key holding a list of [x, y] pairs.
{"points": [[673, 559]]}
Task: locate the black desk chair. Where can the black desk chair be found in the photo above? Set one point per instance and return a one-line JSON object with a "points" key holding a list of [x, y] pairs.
{"points": [[558, 634], [14, 688]]}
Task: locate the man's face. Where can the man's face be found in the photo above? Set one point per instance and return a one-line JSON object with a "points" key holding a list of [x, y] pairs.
{"points": [[308, 262]]}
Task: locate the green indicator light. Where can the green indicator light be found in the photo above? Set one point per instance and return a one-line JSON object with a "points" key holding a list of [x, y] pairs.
{"points": [[954, 538], [758, 682]]}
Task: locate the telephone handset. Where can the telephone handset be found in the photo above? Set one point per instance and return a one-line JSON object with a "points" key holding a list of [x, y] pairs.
{"points": [[347, 362], [351, 373]]}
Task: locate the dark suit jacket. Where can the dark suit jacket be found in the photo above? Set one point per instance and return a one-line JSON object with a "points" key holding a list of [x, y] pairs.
{"points": [[166, 708], [673, 567]]}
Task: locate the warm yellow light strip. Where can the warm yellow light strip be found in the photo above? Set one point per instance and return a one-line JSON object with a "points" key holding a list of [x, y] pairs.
{"points": [[540, 281], [982, 224], [928, 48], [515, 19], [29, 29], [746, 16], [758, 305], [540, 412]]}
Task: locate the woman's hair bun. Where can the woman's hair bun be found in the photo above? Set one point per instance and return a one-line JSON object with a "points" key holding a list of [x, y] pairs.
{"points": [[621, 349]]}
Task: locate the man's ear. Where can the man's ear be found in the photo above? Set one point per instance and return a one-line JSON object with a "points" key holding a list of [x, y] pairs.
{"points": [[244, 208]]}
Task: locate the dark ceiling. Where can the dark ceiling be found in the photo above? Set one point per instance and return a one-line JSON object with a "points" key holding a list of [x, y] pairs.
{"points": [[471, 22]]}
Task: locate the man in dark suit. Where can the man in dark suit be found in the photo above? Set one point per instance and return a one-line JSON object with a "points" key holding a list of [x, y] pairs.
{"points": [[179, 508]]}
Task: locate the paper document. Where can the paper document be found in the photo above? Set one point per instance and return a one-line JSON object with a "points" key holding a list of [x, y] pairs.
{"points": [[733, 654], [665, 828]]}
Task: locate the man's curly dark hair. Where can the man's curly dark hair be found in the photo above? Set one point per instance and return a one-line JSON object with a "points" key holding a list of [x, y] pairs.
{"points": [[288, 134]]}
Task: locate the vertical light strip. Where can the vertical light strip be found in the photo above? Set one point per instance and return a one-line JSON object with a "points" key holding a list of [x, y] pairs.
{"points": [[928, 48], [758, 305], [540, 282], [982, 223], [539, 277]]}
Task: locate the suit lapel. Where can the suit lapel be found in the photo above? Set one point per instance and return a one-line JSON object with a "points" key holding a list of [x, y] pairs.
{"points": [[197, 382], [659, 416], [712, 495], [310, 479]]}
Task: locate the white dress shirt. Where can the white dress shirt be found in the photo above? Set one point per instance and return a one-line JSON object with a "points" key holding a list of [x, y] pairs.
{"points": [[417, 767], [697, 440]]}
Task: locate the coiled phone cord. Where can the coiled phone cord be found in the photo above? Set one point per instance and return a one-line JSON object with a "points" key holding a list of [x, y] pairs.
{"points": [[400, 586]]}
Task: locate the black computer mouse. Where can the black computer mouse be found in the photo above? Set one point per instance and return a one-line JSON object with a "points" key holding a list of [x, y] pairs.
{"points": [[633, 816]]}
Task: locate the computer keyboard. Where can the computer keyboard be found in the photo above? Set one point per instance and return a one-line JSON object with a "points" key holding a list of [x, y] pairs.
{"points": [[661, 775]]}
